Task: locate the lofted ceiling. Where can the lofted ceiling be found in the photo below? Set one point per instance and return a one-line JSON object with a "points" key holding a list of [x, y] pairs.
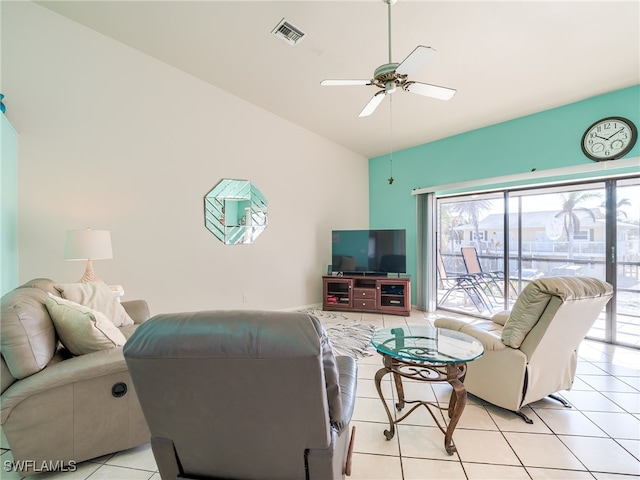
{"points": [[505, 58]]}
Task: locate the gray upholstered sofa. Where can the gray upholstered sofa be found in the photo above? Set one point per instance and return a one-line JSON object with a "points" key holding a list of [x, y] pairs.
{"points": [[244, 394], [56, 407]]}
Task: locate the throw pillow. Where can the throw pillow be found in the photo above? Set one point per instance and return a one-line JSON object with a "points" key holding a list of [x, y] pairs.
{"points": [[97, 296], [81, 329]]}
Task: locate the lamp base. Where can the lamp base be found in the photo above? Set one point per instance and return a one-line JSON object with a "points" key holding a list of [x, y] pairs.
{"points": [[89, 274]]}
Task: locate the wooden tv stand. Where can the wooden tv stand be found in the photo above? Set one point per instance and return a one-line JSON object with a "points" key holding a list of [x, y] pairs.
{"points": [[361, 293]]}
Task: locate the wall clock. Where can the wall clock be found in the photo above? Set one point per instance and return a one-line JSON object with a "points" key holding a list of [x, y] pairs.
{"points": [[609, 138]]}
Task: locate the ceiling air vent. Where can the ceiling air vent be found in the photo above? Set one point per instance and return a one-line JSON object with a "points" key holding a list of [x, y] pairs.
{"points": [[288, 32]]}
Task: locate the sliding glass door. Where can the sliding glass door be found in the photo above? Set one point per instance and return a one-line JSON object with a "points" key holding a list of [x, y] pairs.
{"points": [[563, 233], [626, 307], [490, 246]]}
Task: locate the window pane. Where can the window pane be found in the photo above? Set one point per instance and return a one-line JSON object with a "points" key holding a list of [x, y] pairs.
{"points": [[628, 262], [563, 233], [470, 246]]}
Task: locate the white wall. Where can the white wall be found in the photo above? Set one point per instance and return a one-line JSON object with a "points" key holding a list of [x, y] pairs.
{"points": [[113, 139]]}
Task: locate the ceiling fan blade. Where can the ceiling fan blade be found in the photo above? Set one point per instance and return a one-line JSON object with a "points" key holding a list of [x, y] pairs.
{"points": [[373, 104], [434, 91], [415, 60], [341, 83]]}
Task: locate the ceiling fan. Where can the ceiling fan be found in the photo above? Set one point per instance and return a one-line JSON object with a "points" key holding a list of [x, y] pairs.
{"points": [[390, 76]]}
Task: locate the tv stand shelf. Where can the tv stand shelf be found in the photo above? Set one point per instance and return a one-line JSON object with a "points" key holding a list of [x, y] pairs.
{"points": [[361, 293]]}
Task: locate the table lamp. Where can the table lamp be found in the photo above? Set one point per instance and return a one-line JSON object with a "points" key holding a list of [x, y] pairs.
{"points": [[88, 245]]}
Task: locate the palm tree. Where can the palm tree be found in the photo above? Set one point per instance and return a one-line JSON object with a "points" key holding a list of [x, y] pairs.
{"points": [[570, 214], [472, 210], [449, 220], [621, 215]]}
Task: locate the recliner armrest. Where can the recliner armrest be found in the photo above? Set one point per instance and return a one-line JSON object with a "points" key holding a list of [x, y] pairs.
{"points": [[489, 340], [489, 334], [138, 310], [450, 323], [73, 370], [348, 371], [501, 317]]}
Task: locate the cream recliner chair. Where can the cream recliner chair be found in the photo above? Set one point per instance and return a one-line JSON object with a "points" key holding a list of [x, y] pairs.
{"points": [[531, 351], [243, 394]]}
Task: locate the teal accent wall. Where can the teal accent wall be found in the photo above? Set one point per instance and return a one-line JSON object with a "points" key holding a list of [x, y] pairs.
{"points": [[541, 141], [9, 203]]}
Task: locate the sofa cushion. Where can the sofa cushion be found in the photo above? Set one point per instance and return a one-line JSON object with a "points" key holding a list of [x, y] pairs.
{"points": [[81, 329], [97, 296], [27, 337]]}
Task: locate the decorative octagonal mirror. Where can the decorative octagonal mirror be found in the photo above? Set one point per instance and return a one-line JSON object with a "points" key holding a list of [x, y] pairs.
{"points": [[235, 211]]}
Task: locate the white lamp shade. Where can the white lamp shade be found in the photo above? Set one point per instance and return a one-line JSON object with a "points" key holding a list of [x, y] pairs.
{"points": [[88, 244]]}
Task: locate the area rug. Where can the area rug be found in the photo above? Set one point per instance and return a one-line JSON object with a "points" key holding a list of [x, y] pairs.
{"points": [[348, 337]]}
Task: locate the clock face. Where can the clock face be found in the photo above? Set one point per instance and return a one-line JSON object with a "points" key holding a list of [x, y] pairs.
{"points": [[609, 138]]}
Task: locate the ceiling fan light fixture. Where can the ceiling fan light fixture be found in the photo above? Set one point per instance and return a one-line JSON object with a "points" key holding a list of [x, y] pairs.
{"points": [[390, 76]]}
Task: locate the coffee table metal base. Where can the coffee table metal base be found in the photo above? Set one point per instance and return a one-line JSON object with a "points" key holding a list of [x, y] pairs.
{"points": [[453, 373]]}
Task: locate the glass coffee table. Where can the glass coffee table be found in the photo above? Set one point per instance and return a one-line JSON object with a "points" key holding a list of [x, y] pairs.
{"points": [[427, 354]]}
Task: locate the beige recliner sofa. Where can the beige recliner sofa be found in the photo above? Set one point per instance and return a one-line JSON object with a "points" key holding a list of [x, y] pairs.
{"points": [[56, 408], [531, 351], [243, 394]]}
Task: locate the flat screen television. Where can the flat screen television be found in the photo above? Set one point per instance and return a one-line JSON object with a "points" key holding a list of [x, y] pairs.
{"points": [[368, 252]]}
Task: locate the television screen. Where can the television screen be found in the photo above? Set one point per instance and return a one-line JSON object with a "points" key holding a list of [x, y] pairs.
{"points": [[368, 251]]}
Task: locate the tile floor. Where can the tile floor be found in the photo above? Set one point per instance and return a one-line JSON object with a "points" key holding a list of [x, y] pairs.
{"points": [[599, 438]]}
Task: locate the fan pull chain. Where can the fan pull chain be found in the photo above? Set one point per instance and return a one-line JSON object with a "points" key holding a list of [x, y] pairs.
{"points": [[390, 179]]}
